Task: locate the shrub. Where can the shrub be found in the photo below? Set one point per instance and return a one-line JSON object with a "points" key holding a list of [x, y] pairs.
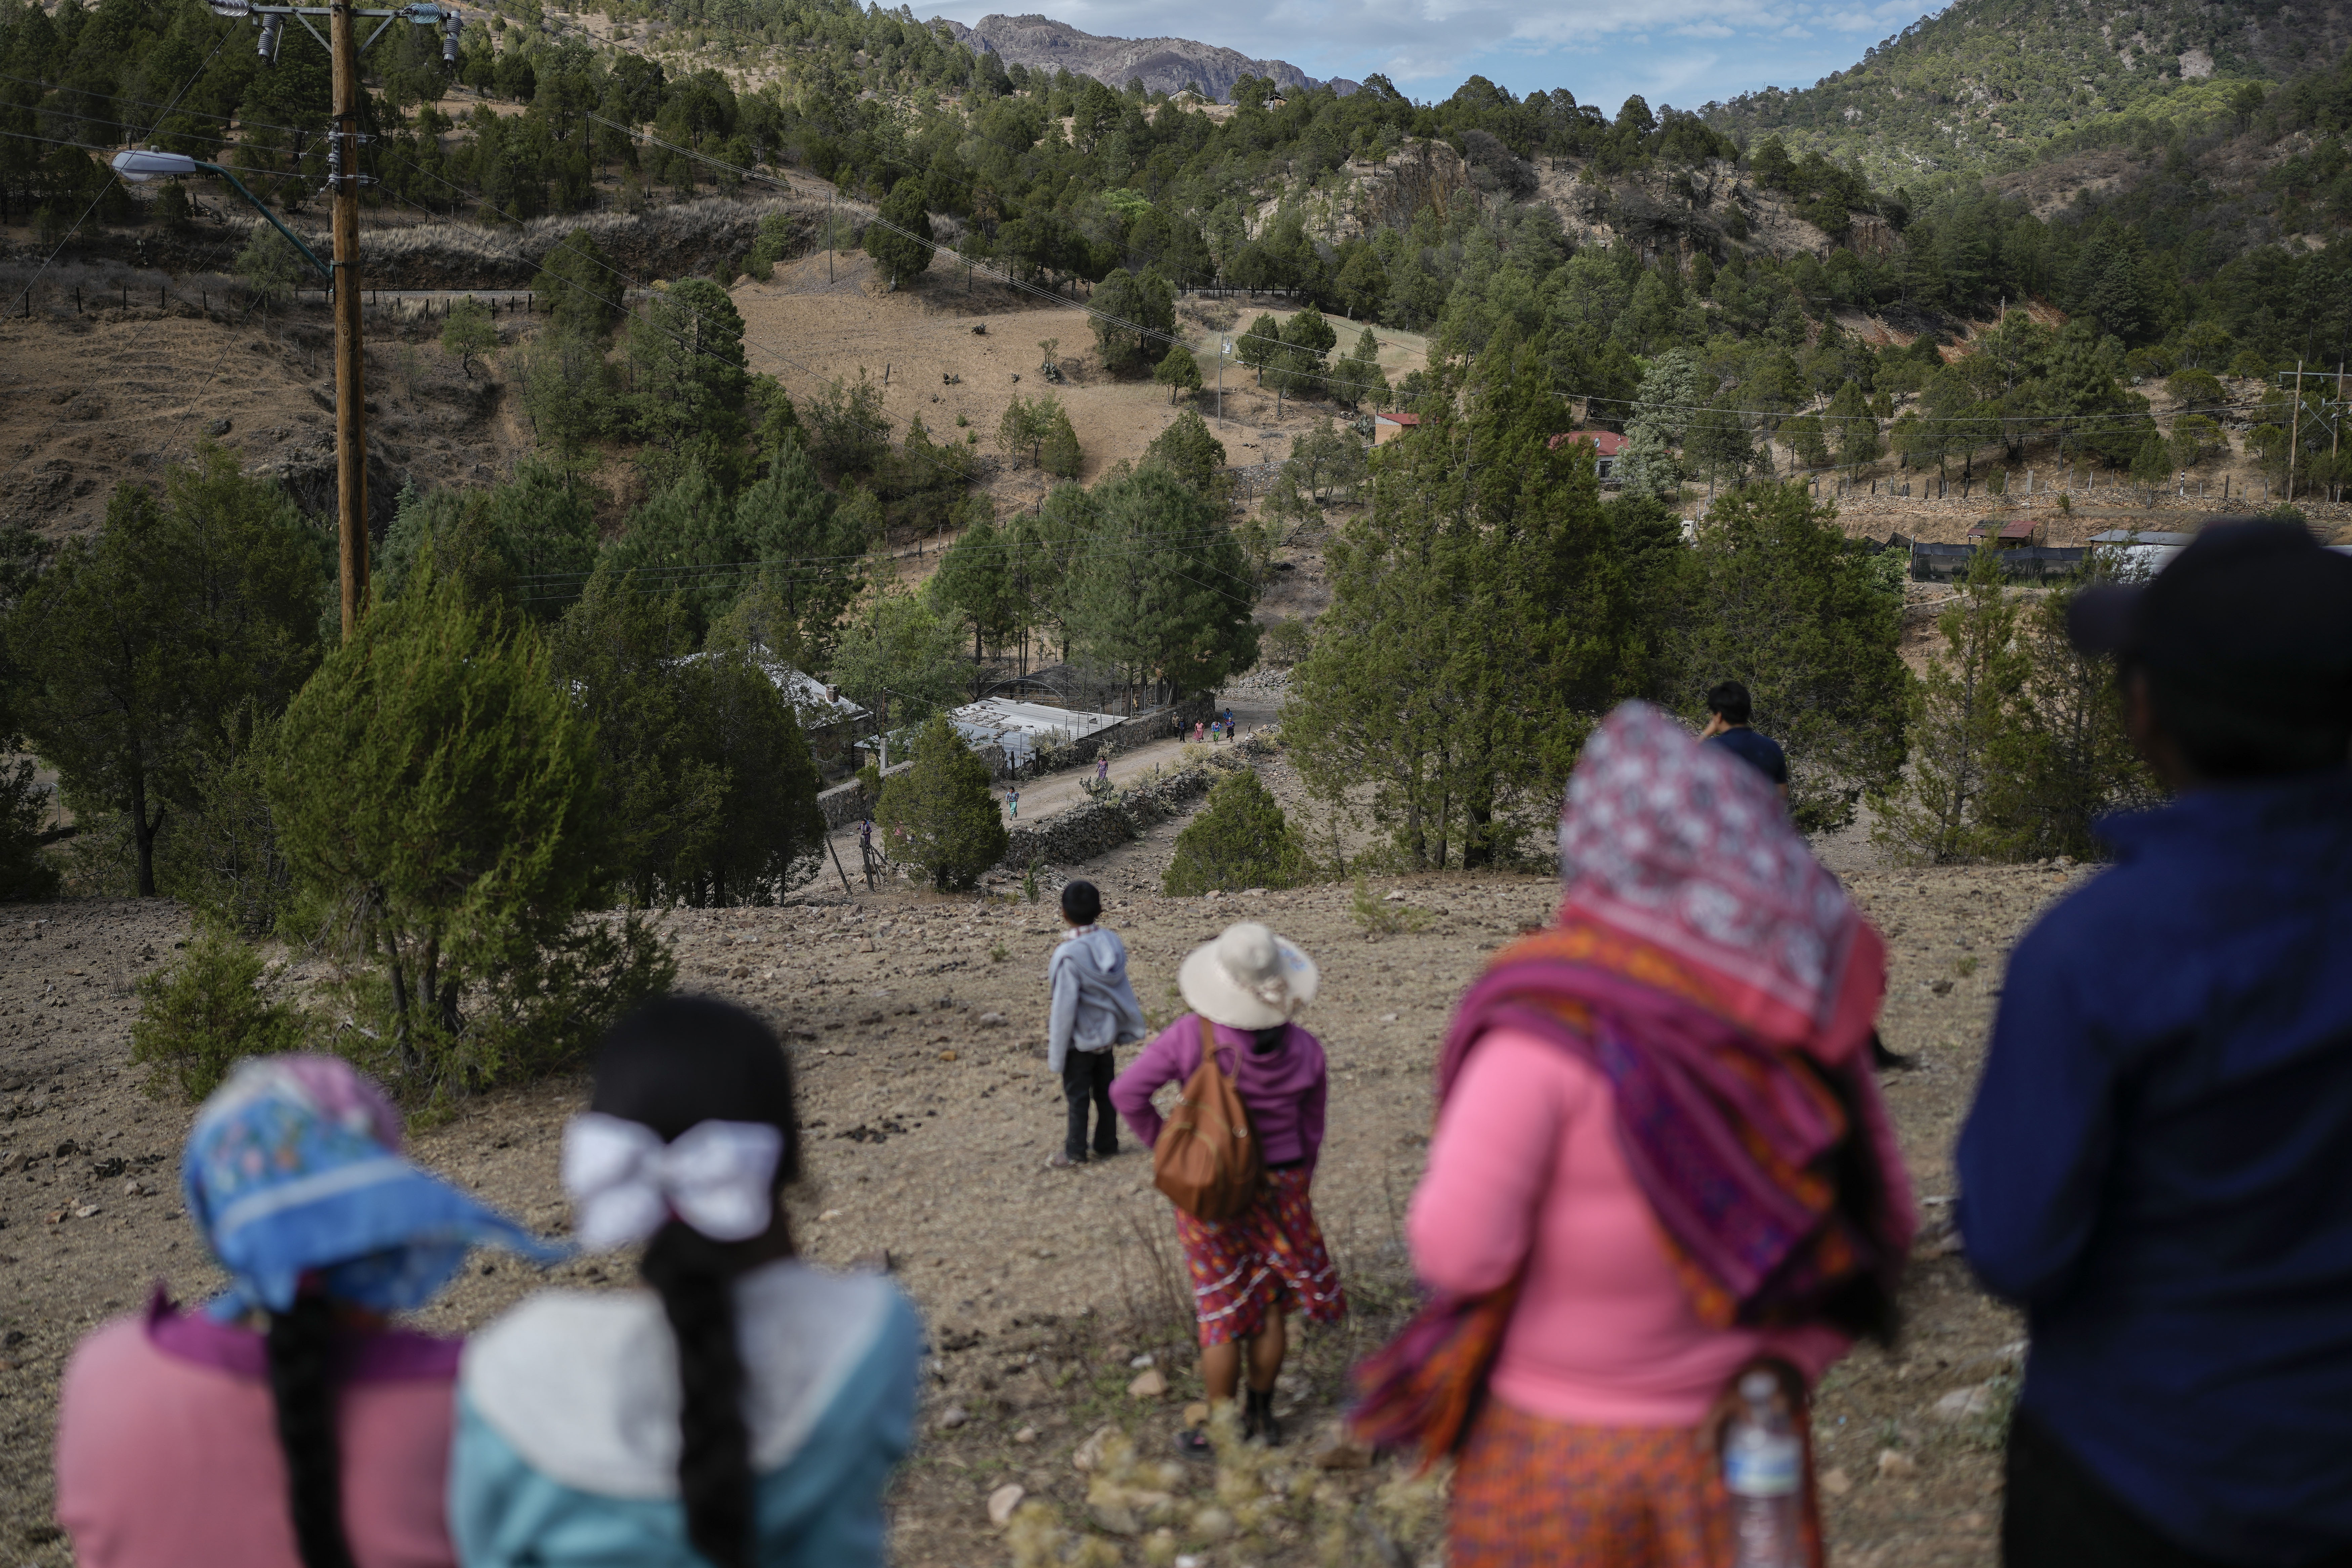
{"points": [[25, 873], [197, 1019], [939, 814], [437, 796], [1240, 839], [1284, 642]]}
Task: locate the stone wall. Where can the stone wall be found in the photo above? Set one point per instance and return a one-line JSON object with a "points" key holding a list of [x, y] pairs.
{"points": [[1099, 826]]}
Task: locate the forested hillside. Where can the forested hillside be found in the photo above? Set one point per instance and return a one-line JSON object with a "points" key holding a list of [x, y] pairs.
{"points": [[1990, 84]]}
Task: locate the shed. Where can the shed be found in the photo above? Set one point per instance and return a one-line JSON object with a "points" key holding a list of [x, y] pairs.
{"points": [[2014, 534], [1606, 445], [1387, 427]]}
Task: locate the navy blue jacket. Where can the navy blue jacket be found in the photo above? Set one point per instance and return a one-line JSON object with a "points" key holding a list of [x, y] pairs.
{"points": [[2158, 1167]]}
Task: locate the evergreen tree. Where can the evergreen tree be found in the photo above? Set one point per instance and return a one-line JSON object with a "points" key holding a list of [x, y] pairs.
{"points": [[939, 816], [1957, 716], [1306, 338], [1162, 592], [898, 654], [1135, 315], [136, 646], [1852, 426], [810, 548], [686, 355], [2061, 758], [438, 798], [1190, 451], [1178, 371], [1260, 346], [578, 287], [1058, 453], [1662, 412], [976, 580], [1781, 600], [1240, 839], [903, 249], [197, 1019]]}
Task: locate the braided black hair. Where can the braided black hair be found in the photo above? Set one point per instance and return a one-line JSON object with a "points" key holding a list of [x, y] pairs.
{"points": [[301, 1383], [672, 1064]]}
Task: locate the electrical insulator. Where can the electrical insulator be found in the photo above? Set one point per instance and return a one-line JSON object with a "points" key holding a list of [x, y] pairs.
{"points": [[451, 25], [272, 24]]}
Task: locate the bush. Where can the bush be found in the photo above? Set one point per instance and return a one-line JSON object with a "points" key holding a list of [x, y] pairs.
{"points": [[1240, 839], [25, 873], [197, 1019], [939, 814], [222, 856], [1284, 642], [437, 796]]}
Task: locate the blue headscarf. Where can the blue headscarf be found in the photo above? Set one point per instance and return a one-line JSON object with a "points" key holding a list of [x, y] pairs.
{"points": [[293, 1169]]}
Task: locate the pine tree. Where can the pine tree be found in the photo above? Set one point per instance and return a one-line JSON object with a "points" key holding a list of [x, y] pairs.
{"points": [[1178, 371], [1189, 450], [1856, 430], [939, 816], [437, 796], [1779, 599], [1240, 839], [2063, 759], [1958, 714], [903, 249]]}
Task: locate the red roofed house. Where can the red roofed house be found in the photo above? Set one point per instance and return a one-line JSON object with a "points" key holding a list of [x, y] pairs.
{"points": [[1387, 427], [2015, 533], [1608, 444]]}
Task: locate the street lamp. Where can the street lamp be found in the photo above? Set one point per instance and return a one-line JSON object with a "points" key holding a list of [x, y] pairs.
{"points": [[146, 163]]}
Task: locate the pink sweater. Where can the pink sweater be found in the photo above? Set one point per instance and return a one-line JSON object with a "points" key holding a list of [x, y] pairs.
{"points": [[167, 1451], [1526, 1156]]}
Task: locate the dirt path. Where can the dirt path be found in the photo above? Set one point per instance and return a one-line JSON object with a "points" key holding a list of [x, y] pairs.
{"points": [[916, 1028]]}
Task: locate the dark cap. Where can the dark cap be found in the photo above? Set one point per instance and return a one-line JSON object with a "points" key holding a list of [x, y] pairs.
{"points": [[2255, 607]]}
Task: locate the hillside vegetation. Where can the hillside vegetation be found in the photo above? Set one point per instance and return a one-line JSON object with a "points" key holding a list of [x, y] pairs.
{"points": [[1992, 84]]}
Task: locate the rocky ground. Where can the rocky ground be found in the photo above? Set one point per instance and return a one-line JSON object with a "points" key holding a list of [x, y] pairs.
{"points": [[915, 1023]]}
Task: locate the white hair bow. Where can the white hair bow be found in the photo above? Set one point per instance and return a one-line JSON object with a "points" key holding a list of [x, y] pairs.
{"points": [[625, 1182]]}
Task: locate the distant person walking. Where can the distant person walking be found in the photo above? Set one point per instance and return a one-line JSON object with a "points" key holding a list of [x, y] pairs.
{"points": [[1102, 770], [1727, 726], [288, 1421], [2159, 1165], [1094, 1010], [1658, 1126], [1245, 989], [1013, 803]]}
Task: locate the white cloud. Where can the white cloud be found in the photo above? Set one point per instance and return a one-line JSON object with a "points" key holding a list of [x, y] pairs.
{"points": [[1428, 47]]}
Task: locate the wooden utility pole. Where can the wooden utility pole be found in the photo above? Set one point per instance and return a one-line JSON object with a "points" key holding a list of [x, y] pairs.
{"points": [[351, 388], [2293, 429]]}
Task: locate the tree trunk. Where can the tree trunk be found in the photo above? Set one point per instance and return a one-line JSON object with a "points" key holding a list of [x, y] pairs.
{"points": [[142, 831]]}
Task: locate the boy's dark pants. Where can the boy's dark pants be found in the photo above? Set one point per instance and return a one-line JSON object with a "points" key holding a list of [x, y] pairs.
{"points": [[1085, 1076]]}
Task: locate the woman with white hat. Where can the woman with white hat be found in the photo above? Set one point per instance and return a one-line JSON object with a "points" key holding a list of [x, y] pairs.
{"points": [[1248, 1272]]}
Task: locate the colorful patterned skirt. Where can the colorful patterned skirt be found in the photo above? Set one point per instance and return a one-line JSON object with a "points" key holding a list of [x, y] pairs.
{"points": [[1533, 1493], [1270, 1257]]}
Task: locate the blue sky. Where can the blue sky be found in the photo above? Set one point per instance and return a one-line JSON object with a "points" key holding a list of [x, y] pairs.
{"points": [[1682, 52]]}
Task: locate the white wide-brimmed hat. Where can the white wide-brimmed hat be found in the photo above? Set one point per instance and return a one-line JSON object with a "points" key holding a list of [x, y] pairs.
{"points": [[1249, 978]]}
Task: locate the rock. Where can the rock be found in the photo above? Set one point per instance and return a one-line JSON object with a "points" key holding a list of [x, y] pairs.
{"points": [[1026, 1435], [1115, 1516], [1002, 1502], [1150, 1386], [993, 1020], [1389, 1017], [87, 1211], [1964, 1405], [1090, 1452], [219, 427], [1212, 1524], [1894, 1466], [1140, 1362], [1836, 1482], [951, 1418], [1335, 1452], [947, 1056], [1397, 897]]}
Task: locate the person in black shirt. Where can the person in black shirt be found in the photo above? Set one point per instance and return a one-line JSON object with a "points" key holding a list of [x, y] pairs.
{"points": [[1728, 727]]}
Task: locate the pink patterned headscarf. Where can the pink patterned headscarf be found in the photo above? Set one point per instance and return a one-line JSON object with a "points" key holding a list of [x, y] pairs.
{"points": [[1685, 845]]}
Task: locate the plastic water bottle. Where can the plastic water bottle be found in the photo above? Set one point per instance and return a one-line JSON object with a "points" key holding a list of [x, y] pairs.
{"points": [[1763, 1467]]}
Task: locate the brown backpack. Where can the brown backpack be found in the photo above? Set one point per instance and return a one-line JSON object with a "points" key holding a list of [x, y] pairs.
{"points": [[1206, 1160]]}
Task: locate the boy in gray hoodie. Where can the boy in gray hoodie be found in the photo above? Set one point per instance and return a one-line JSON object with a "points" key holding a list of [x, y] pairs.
{"points": [[1094, 1009]]}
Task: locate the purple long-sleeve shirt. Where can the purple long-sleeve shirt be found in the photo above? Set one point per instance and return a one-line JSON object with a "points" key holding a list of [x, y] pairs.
{"points": [[1285, 1088]]}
